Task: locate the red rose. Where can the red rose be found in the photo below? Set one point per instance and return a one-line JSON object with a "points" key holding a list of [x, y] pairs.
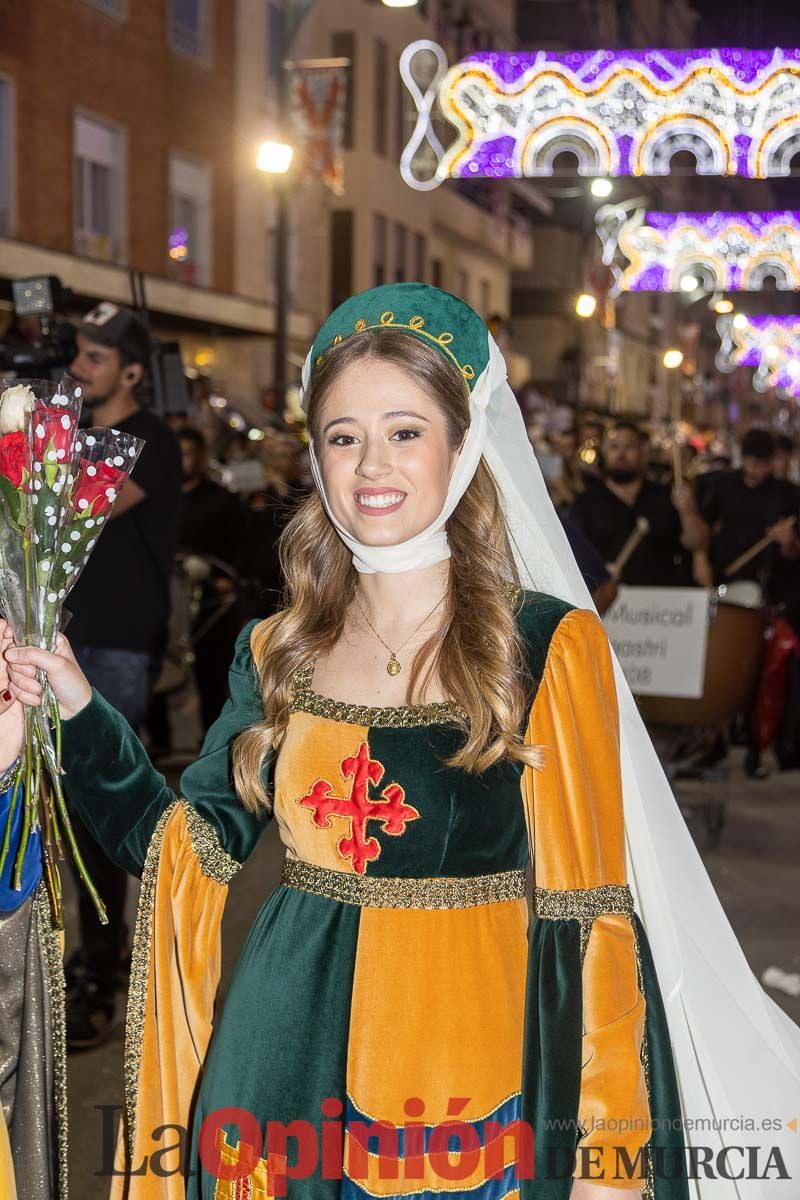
{"points": [[13, 457], [95, 480], [56, 425]]}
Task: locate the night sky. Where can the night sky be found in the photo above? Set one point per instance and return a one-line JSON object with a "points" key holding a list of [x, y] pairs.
{"points": [[759, 24]]}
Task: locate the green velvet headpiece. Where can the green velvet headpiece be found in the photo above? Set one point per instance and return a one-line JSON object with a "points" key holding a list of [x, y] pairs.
{"points": [[435, 317]]}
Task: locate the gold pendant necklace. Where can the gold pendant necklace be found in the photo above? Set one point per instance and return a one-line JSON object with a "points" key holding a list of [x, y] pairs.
{"points": [[393, 666]]}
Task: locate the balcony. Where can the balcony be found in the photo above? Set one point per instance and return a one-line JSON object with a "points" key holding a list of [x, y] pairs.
{"points": [[100, 246]]}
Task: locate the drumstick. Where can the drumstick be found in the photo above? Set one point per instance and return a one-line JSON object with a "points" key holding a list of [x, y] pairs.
{"points": [[642, 528], [755, 549]]}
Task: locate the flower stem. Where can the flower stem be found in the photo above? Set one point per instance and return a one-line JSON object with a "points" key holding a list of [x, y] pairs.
{"points": [[10, 819], [29, 802]]}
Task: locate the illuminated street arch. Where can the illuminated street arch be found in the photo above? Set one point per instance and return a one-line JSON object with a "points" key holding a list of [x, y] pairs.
{"points": [[619, 112], [767, 343], [727, 251]]}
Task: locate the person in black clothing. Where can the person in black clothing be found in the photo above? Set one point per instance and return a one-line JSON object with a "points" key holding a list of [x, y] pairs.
{"points": [[783, 460], [608, 513], [214, 524], [271, 507], [120, 611], [748, 504]]}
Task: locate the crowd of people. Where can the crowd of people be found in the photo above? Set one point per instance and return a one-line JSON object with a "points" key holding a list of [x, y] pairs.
{"points": [[192, 555], [686, 508], [675, 513]]}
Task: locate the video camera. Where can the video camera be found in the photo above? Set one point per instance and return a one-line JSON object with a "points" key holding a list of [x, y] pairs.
{"points": [[50, 354], [53, 349]]}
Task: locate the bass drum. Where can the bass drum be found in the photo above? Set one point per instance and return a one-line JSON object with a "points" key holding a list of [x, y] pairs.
{"points": [[734, 650]]}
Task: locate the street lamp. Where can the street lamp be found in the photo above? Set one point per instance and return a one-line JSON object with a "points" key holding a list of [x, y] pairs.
{"points": [[585, 305], [672, 359], [599, 187], [275, 158]]}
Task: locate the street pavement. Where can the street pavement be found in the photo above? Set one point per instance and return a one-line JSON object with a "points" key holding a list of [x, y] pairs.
{"points": [[753, 866]]}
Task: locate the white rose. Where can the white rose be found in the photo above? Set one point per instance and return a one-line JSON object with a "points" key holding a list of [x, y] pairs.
{"points": [[15, 403]]}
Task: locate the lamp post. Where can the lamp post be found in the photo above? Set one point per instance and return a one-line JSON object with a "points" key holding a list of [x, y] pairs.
{"points": [[275, 159]]}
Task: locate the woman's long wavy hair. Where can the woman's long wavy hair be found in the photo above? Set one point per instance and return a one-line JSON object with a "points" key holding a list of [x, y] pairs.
{"points": [[477, 654]]}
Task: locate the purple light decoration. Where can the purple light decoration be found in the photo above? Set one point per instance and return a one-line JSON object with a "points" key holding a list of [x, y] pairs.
{"points": [[716, 222], [731, 251], [790, 324], [591, 66], [623, 112], [769, 344]]}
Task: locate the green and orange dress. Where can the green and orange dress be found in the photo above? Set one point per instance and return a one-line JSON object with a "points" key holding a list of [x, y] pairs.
{"points": [[399, 1019]]}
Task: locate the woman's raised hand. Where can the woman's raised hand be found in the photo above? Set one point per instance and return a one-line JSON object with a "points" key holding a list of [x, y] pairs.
{"points": [[69, 685]]}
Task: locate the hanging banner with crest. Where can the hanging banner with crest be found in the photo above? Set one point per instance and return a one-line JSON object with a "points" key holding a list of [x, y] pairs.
{"points": [[318, 99]]}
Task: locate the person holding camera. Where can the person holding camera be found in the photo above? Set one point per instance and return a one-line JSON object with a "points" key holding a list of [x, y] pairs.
{"points": [[120, 611]]}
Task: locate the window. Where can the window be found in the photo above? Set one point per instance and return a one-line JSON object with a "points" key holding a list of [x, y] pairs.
{"points": [[343, 45], [486, 298], [341, 256], [100, 208], [400, 241], [189, 29], [420, 258], [189, 241], [274, 57], [462, 284], [6, 157], [437, 274], [379, 248], [380, 106]]}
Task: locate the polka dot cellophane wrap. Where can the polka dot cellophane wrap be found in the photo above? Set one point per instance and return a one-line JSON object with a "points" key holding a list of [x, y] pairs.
{"points": [[102, 461]]}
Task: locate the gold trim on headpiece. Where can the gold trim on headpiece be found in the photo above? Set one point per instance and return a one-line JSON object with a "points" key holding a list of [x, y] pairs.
{"points": [[415, 325]]}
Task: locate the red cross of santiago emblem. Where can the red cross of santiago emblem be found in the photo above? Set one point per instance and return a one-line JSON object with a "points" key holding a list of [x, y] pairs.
{"points": [[390, 809]]}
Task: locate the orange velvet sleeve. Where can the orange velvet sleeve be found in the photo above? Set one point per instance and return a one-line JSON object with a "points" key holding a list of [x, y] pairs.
{"points": [[575, 816], [174, 976]]}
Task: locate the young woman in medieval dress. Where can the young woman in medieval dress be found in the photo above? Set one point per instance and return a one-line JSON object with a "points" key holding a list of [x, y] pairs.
{"points": [[422, 723]]}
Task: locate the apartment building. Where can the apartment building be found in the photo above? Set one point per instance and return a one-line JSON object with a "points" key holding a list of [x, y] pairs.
{"points": [[468, 238], [118, 152], [129, 131]]}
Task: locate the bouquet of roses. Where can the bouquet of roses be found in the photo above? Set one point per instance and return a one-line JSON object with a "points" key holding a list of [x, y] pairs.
{"points": [[57, 487]]}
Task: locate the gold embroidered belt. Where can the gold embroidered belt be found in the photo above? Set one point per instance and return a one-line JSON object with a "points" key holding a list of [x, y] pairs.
{"points": [[374, 891]]}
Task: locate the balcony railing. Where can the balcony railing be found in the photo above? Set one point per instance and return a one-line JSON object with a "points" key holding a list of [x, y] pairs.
{"points": [[101, 246]]}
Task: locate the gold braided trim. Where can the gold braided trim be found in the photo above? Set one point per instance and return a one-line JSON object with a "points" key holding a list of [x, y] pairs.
{"points": [[215, 863], [7, 778], [395, 891], [56, 989], [648, 1183], [402, 716], [582, 905], [555, 904], [414, 325]]}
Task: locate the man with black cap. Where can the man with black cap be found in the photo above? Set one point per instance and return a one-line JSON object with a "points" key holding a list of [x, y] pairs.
{"points": [[120, 608]]}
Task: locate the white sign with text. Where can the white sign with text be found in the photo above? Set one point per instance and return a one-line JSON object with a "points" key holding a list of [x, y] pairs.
{"points": [[659, 635]]}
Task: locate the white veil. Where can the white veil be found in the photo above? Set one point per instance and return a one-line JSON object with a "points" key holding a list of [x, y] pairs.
{"points": [[737, 1054]]}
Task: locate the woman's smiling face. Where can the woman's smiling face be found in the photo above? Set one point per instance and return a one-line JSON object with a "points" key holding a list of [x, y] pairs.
{"points": [[384, 453]]}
